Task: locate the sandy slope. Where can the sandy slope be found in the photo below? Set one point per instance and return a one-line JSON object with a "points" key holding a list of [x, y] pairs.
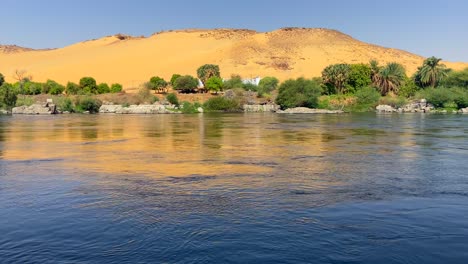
{"points": [[284, 53]]}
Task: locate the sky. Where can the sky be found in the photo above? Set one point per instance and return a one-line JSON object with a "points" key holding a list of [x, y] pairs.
{"points": [[428, 28]]}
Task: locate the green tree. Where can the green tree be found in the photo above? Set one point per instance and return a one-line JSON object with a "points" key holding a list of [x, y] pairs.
{"points": [[2, 79], [174, 77], [52, 87], [88, 85], [375, 69], [8, 96], [234, 82], [432, 72], [267, 85], [457, 78], [103, 88], [390, 78], [116, 88], [336, 75], [72, 88], [186, 84], [214, 84], [157, 83], [299, 92], [207, 71], [409, 88], [359, 76], [172, 98]]}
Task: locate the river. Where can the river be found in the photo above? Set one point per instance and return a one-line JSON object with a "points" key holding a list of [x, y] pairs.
{"points": [[234, 188]]}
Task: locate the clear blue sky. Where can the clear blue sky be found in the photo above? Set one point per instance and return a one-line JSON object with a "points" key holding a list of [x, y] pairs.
{"points": [[426, 28]]}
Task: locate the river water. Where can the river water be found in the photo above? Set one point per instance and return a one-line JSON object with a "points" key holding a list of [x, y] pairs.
{"points": [[234, 188]]}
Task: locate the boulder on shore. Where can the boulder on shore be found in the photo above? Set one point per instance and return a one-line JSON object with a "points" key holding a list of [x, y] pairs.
{"points": [[305, 110], [261, 108], [36, 109], [138, 109]]}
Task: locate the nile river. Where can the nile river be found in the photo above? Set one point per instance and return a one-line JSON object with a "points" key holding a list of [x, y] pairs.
{"points": [[234, 188]]}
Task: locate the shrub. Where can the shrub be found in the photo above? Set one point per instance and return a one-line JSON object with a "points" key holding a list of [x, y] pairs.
{"points": [[116, 88], [437, 96], [32, 88], [359, 77], [103, 88], [457, 78], [88, 85], [220, 103], [144, 96], [299, 92], [174, 78], [460, 97], [52, 87], [409, 88], [214, 84], [156, 83], [72, 88], [234, 82], [172, 98], [188, 108], [8, 96], [2, 79], [367, 98], [394, 101], [87, 104], [185, 84], [67, 105], [267, 85], [250, 87]]}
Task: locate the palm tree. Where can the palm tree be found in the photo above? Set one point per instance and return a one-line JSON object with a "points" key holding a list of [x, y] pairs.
{"points": [[390, 78], [375, 68], [336, 75], [432, 72]]}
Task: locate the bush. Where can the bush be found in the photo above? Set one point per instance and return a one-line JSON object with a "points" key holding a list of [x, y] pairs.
{"points": [[408, 89], [267, 85], [298, 93], [367, 99], [185, 84], [67, 105], [457, 78], [144, 96], [220, 103], [172, 98], [359, 77], [2, 79], [437, 96], [188, 108], [116, 88], [394, 101], [72, 88], [207, 71], [250, 87], [460, 97], [88, 85], [234, 82], [174, 78], [30, 88], [87, 104], [103, 88], [156, 83], [52, 87], [8, 96], [214, 84]]}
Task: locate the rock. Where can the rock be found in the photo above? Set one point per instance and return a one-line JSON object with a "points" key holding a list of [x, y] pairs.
{"points": [[385, 109], [4, 112], [464, 110], [200, 110], [261, 108], [305, 110], [106, 109], [49, 101], [35, 109], [138, 109]]}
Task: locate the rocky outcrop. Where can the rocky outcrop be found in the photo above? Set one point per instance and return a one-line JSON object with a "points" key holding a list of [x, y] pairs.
{"points": [[414, 107], [36, 109], [261, 108], [4, 112], [305, 110], [138, 109], [463, 110]]}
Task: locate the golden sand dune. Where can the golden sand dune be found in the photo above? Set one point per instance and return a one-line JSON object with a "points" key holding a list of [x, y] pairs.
{"points": [[284, 53]]}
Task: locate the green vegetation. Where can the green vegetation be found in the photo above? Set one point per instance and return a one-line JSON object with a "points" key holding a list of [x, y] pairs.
{"points": [[431, 73], [188, 108], [456, 79], [172, 98], [8, 96], [103, 88], [214, 84], [83, 104], [207, 71], [52, 87], [116, 88], [335, 76], [72, 88], [88, 85], [299, 92], [221, 104], [185, 84], [267, 85], [157, 83], [390, 78], [2, 79], [174, 77]]}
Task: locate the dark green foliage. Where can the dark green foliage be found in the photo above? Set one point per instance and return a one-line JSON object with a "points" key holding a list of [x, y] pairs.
{"points": [[174, 78], [442, 97], [299, 92], [8, 96], [267, 85], [172, 98], [368, 96], [223, 104], [157, 83], [460, 97], [103, 88], [408, 89], [234, 82], [207, 71], [457, 78], [72, 88], [2, 79], [359, 76], [390, 78], [185, 84], [87, 104], [431, 73], [52, 87], [214, 84], [88, 85], [337, 76], [250, 87], [116, 88]]}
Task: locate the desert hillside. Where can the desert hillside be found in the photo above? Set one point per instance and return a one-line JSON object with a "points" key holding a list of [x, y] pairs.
{"points": [[284, 53]]}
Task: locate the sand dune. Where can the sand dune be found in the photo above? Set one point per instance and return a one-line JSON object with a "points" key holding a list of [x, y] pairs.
{"points": [[285, 53]]}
